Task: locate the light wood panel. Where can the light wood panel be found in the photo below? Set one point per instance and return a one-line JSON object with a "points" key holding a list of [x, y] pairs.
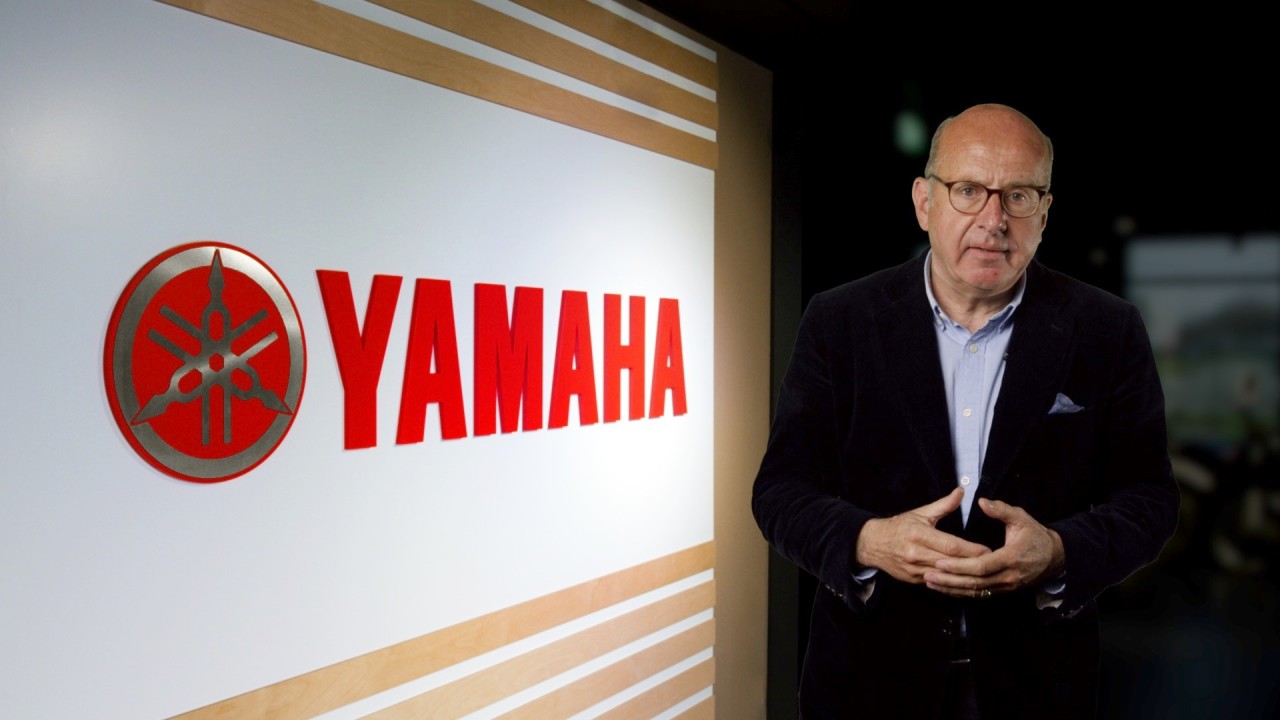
{"points": [[665, 695], [492, 684], [331, 687], [321, 27], [744, 317], [625, 35], [510, 35], [609, 681], [705, 710]]}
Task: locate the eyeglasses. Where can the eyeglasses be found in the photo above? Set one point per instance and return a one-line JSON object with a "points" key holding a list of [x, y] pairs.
{"points": [[970, 197]]}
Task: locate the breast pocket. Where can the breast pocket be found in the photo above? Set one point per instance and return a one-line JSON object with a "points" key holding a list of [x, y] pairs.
{"points": [[1055, 468], [1065, 436]]}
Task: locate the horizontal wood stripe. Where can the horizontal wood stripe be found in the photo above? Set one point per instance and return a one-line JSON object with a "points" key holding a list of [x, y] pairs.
{"points": [[625, 35], [609, 681], [345, 682], [330, 30], [510, 35], [475, 691], [666, 694], [705, 710]]}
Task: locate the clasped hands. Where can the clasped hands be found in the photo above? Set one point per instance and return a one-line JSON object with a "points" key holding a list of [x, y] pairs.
{"points": [[910, 548]]}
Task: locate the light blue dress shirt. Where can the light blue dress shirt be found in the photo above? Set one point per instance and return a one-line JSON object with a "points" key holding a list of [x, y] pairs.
{"points": [[972, 371]]}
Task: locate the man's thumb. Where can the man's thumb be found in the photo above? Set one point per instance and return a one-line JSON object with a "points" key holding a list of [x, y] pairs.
{"points": [[943, 506], [998, 510]]}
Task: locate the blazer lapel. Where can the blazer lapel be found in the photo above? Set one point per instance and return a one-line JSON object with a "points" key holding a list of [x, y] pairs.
{"points": [[1034, 361], [905, 322]]}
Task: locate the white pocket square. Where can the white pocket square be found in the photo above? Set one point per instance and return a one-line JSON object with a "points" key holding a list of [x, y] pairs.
{"points": [[1063, 404]]}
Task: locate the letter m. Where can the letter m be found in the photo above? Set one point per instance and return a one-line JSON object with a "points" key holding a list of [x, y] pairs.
{"points": [[508, 359]]}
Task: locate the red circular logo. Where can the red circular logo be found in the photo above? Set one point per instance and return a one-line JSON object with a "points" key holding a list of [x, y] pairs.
{"points": [[205, 362]]}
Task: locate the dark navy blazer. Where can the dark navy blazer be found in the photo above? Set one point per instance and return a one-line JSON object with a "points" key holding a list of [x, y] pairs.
{"points": [[861, 431]]}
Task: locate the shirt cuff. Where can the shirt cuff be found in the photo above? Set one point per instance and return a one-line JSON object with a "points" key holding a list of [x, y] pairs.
{"points": [[864, 583], [1051, 592]]}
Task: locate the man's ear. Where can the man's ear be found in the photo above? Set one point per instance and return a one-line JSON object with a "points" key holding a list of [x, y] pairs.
{"points": [[1044, 211], [920, 199]]}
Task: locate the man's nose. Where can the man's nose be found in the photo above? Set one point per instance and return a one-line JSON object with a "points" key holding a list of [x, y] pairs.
{"points": [[992, 216]]}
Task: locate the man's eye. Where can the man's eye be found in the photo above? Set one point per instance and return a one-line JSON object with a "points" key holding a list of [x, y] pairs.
{"points": [[1018, 196], [967, 190]]}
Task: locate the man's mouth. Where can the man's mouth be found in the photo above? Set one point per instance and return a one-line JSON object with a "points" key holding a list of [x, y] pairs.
{"points": [[989, 252]]}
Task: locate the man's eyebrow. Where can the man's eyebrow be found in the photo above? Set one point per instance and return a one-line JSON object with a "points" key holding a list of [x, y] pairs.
{"points": [[1014, 184]]}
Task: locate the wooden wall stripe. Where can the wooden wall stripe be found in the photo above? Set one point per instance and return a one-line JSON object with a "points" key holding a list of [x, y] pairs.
{"points": [[705, 710], [665, 695], [340, 33], [485, 687], [510, 35], [609, 681], [343, 683], [625, 35]]}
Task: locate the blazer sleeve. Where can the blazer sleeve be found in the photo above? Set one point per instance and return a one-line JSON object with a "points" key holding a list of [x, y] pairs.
{"points": [[795, 498], [1135, 506]]}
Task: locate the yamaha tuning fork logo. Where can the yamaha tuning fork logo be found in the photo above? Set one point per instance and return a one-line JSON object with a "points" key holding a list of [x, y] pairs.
{"points": [[205, 362]]}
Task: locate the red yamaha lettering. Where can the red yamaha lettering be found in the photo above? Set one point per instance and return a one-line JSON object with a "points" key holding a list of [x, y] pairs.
{"points": [[359, 353], [432, 340], [575, 372], [619, 356], [668, 361], [508, 359]]}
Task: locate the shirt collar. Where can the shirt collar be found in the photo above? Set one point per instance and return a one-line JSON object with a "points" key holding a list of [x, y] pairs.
{"points": [[1004, 318]]}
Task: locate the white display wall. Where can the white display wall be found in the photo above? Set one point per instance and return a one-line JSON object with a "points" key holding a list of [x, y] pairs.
{"points": [[128, 128]]}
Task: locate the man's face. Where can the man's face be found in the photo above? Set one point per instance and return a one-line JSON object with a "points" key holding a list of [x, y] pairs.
{"points": [[984, 254]]}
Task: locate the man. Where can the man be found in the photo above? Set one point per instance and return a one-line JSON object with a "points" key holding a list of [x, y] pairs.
{"points": [[967, 450]]}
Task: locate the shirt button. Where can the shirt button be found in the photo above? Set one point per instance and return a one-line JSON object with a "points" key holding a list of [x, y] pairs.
{"points": [[967, 412], [964, 479], [973, 347]]}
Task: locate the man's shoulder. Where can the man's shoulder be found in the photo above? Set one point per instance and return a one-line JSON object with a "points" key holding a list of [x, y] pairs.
{"points": [[1078, 295], [874, 290]]}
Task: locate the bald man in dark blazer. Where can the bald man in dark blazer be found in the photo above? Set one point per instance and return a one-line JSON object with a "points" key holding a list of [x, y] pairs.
{"points": [[960, 543]]}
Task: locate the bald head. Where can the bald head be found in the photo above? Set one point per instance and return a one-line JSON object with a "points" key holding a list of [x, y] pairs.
{"points": [[991, 124]]}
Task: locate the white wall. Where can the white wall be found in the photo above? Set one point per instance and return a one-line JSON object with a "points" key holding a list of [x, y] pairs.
{"points": [[127, 128]]}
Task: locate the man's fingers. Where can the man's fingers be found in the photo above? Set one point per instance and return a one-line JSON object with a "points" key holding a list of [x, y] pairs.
{"points": [[1002, 511], [923, 557], [909, 545], [966, 587], [943, 506], [979, 566], [943, 545], [953, 584], [1003, 579], [952, 546]]}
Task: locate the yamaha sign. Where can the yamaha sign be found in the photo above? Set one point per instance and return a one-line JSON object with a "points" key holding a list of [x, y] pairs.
{"points": [[205, 360]]}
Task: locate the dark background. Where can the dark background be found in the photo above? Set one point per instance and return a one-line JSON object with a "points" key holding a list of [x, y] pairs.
{"points": [[1168, 142]]}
